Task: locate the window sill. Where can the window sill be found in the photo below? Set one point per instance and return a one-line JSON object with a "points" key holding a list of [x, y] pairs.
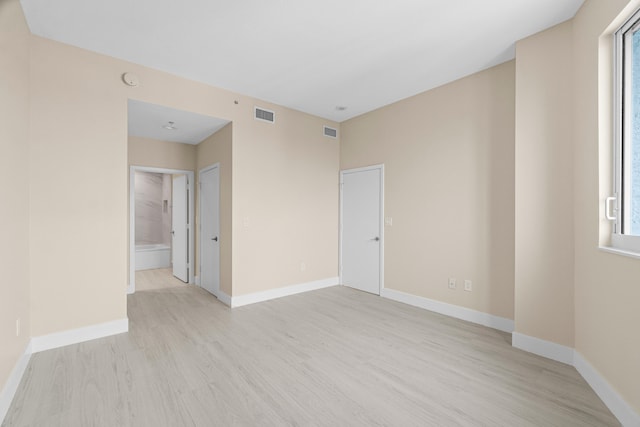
{"points": [[623, 252]]}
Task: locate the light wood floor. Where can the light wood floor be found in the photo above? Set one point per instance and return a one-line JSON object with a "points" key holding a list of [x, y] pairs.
{"points": [[333, 357], [161, 278]]}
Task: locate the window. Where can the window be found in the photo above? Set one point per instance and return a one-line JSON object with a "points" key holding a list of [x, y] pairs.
{"points": [[624, 207]]}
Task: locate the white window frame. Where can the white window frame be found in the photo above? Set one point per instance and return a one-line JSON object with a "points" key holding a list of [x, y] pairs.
{"points": [[614, 205]]}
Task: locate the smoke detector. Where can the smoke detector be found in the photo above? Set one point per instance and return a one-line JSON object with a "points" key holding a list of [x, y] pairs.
{"points": [[170, 126], [130, 79]]}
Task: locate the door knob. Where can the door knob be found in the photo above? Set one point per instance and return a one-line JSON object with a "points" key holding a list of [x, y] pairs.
{"points": [[376, 239], [215, 238]]}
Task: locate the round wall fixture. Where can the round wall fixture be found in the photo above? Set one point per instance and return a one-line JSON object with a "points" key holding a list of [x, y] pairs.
{"points": [[130, 79]]}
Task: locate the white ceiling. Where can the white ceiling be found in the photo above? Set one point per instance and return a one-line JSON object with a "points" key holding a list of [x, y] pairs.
{"points": [[148, 121], [307, 55]]}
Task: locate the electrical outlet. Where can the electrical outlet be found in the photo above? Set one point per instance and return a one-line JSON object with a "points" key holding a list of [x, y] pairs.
{"points": [[18, 327], [303, 266], [468, 286], [452, 283]]}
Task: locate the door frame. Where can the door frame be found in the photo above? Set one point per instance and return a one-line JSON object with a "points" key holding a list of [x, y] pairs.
{"points": [[200, 239], [379, 167], [131, 288]]}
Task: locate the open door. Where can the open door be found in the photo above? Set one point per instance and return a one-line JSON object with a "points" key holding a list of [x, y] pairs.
{"points": [[180, 228]]}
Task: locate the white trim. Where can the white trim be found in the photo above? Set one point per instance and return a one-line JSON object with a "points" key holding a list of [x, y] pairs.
{"points": [[223, 298], [241, 300], [51, 341], [625, 243], [485, 319], [622, 252], [622, 244], [197, 279], [131, 287], [548, 349], [11, 386], [74, 336], [379, 167], [627, 416], [616, 404], [381, 228]]}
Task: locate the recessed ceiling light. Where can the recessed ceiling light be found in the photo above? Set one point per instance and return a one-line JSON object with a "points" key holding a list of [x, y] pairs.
{"points": [[341, 107], [170, 126]]}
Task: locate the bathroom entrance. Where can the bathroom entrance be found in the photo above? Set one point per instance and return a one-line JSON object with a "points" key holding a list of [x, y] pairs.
{"points": [[166, 147], [161, 218]]}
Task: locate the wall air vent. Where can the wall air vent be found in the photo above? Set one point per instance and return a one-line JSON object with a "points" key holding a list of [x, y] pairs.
{"points": [[264, 115], [330, 132]]}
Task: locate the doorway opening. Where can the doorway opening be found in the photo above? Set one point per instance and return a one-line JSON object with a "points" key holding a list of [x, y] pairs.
{"points": [[161, 218], [169, 145]]}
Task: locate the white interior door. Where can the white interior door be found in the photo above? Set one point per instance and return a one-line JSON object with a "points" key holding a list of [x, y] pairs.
{"points": [[179, 228], [361, 228], [210, 229]]}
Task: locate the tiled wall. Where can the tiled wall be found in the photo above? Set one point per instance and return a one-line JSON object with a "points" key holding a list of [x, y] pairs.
{"points": [[153, 214]]}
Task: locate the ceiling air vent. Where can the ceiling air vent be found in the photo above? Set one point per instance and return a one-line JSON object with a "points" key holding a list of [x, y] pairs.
{"points": [[264, 115], [330, 132]]}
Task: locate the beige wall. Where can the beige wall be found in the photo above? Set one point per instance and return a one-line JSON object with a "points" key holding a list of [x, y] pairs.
{"points": [[285, 182], [14, 187], [285, 202], [607, 286], [449, 187], [218, 149], [544, 187], [78, 177], [564, 92], [161, 154]]}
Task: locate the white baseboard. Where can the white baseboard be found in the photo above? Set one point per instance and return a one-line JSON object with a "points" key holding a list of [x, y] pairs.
{"points": [[74, 336], [616, 404], [50, 341], [223, 298], [283, 292], [485, 319], [197, 280], [11, 386], [548, 349]]}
